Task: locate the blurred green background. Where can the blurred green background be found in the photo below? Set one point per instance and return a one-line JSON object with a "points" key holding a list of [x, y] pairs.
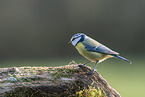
{"points": [[37, 32]]}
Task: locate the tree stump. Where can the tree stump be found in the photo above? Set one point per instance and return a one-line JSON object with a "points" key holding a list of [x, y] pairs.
{"points": [[64, 81]]}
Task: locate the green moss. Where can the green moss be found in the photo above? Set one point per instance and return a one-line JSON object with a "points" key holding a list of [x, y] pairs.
{"points": [[91, 92], [63, 72]]}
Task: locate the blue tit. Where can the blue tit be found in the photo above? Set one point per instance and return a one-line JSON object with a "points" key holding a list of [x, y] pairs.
{"points": [[93, 50]]}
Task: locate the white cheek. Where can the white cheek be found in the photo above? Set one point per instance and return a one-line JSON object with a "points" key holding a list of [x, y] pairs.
{"points": [[76, 41]]}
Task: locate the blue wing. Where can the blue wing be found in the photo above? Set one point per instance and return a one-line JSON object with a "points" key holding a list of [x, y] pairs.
{"points": [[100, 48]]}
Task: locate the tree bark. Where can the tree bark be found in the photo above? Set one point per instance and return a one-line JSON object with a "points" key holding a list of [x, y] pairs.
{"points": [[64, 81]]}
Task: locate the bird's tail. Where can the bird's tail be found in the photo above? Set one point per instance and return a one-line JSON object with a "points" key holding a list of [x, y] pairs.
{"points": [[119, 57]]}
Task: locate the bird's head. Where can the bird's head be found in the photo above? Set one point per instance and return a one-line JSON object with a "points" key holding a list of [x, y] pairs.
{"points": [[79, 37]]}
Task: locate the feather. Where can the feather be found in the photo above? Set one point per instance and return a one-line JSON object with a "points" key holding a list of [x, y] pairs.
{"points": [[119, 57], [94, 46], [100, 48]]}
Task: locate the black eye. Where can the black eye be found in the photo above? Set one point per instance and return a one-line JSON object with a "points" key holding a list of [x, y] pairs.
{"points": [[73, 39]]}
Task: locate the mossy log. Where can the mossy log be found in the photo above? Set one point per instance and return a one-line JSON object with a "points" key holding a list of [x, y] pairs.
{"points": [[64, 81]]}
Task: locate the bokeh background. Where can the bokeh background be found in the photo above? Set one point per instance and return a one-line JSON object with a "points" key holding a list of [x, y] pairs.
{"points": [[37, 32]]}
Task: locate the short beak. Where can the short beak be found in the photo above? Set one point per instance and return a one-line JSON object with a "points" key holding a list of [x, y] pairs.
{"points": [[70, 42]]}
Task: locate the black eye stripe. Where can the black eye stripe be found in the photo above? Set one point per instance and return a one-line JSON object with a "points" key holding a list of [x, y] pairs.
{"points": [[75, 37], [78, 36]]}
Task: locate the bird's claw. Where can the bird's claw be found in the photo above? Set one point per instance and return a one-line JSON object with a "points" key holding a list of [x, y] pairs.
{"points": [[91, 72]]}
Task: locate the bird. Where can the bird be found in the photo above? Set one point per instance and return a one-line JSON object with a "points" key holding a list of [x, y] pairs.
{"points": [[93, 50]]}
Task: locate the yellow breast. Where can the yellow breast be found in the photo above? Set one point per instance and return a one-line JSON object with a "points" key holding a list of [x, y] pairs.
{"points": [[92, 56]]}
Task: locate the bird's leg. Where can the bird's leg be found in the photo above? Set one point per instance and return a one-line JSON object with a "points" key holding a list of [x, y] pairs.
{"points": [[86, 63], [91, 72]]}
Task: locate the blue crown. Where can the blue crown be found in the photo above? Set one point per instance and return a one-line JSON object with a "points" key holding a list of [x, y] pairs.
{"points": [[78, 34]]}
